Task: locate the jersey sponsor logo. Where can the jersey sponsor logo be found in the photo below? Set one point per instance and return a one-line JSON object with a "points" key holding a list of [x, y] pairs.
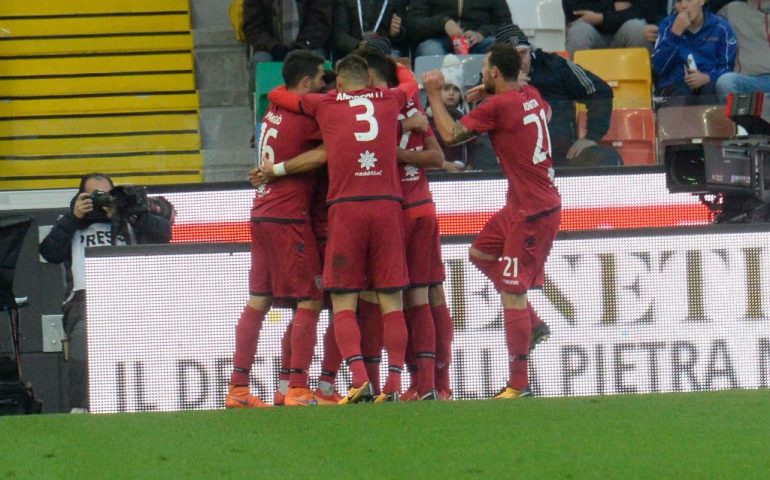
{"points": [[262, 191], [273, 118], [411, 174], [368, 161]]}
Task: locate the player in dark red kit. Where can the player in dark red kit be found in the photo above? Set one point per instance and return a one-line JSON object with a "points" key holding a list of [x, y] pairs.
{"points": [[513, 246], [365, 247], [284, 254]]}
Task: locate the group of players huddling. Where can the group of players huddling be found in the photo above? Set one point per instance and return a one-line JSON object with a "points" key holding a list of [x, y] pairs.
{"points": [[343, 209]]}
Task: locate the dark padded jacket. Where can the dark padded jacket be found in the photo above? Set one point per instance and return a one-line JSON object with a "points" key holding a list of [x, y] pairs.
{"points": [[426, 18], [562, 83], [314, 32], [613, 20], [347, 29]]}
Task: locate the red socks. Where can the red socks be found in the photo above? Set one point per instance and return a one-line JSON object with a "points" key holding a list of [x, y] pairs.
{"points": [[370, 322], [442, 320], [303, 338], [349, 342], [332, 356], [518, 333], [423, 342], [246, 338], [395, 337]]}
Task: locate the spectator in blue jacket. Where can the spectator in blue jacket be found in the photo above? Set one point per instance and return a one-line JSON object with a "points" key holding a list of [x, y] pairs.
{"points": [[694, 48]]}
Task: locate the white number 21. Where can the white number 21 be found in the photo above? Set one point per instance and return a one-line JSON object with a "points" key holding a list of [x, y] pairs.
{"points": [[542, 124]]}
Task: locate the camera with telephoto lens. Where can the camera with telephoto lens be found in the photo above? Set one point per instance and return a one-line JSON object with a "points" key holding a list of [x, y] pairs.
{"points": [[129, 201]]}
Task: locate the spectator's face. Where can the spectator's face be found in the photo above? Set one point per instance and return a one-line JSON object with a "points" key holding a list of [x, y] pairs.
{"points": [[451, 95], [93, 184], [693, 8], [526, 60]]}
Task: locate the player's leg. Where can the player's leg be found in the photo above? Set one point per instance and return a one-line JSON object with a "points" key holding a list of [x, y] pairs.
{"points": [[250, 323], [303, 338], [518, 333], [326, 393], [279, 397], [487, 248], [348, 337], [370, 323], [422, 339], [444, 326], [394, 339], [246, 339]]}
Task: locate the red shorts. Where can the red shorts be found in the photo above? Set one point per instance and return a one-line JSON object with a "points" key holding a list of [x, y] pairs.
{"points": [[423, 251], [285, 262], [365, 247], [521, 245]]}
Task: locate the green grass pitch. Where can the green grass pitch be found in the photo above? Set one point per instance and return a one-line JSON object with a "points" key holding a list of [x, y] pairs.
{"points": [[719, 435]]}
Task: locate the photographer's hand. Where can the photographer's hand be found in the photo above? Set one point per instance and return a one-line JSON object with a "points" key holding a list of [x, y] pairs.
{"points": [[83, 206]]}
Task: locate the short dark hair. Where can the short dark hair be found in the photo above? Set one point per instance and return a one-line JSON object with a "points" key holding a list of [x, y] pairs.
{"points": [[382, 66], [354, 68], [506, 59], [85, 178], [300, 64]]}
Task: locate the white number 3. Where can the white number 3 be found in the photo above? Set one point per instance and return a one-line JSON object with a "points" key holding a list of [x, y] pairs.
{"points": [[368, 117]]}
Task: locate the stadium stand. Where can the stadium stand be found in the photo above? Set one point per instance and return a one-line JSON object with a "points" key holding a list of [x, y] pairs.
{"points": [[543, 22], [631, 133], [97, 85], [627, 70]]}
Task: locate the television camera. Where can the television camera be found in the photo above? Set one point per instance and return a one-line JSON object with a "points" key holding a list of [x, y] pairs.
{"points": [[731, 177]]}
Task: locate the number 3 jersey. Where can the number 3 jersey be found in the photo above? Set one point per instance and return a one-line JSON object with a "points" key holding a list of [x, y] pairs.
{"points": [[518, 128], [285, 135], [361, 133]]}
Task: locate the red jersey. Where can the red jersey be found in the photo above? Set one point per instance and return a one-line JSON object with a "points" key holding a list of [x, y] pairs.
{"points": [[360, 130], [518, 128], [414, 183], [285, 135]]}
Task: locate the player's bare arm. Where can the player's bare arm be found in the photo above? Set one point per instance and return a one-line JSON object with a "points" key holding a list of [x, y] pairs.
{"points": [[431, 157], [302, 163], [416, 123], [452, 132]]}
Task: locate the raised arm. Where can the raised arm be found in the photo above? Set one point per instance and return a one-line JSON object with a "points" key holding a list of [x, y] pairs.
{"points": [[451, 132]]}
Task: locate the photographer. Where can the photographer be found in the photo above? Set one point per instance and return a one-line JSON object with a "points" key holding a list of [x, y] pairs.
{"points": [[95, 217]]}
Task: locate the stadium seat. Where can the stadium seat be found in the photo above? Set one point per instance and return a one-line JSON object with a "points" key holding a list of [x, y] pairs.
{"points": [[563, 54], [98, 85], [692, 124], [631, 133], [268, 76], [543, 22], [627, 70]]}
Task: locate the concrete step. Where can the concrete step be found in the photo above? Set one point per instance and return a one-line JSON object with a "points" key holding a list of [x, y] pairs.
{"points": [[227, 165], [226, 127]]}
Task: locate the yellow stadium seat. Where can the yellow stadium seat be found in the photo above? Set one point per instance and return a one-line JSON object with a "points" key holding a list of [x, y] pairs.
{"points": [[180, 122], [90, 7], [627, 70], [174, 41]]}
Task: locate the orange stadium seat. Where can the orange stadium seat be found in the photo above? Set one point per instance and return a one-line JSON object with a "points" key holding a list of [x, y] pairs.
{"points": [[627, 70], [631, 133]]}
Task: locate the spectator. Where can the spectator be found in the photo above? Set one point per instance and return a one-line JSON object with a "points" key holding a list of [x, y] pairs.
{"points": [[607, 23], [458, 157], [85, 225], [695, 47], [359, 20], [749, 19], [438, 27], [273, 28], [561, 83]]}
